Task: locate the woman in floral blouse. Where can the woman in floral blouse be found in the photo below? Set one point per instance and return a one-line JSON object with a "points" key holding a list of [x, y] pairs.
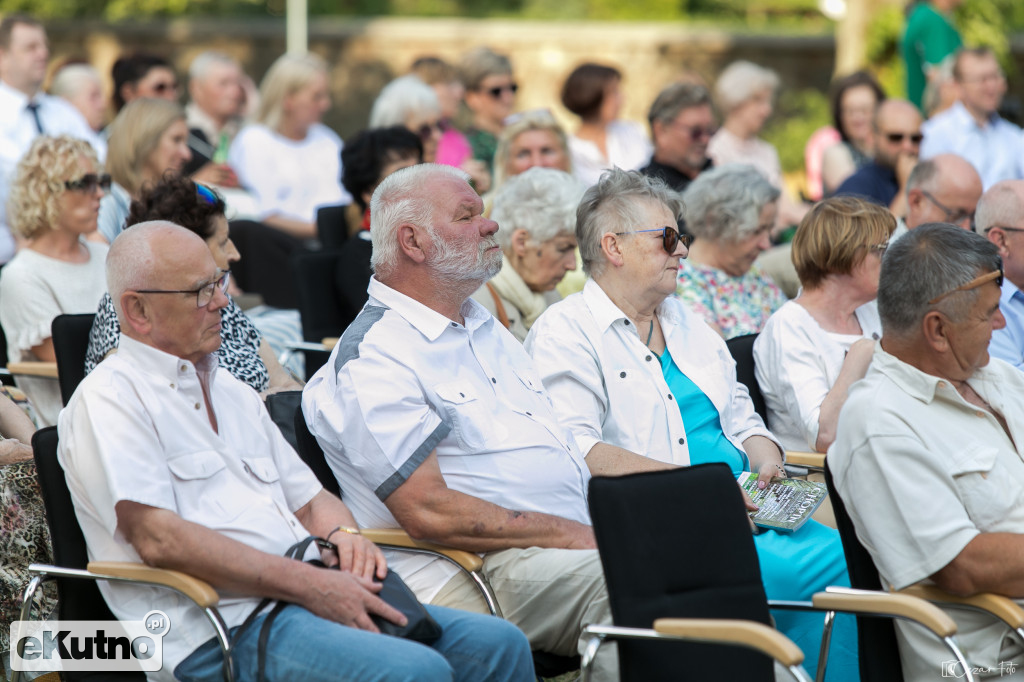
{"points": [[731, 210]]}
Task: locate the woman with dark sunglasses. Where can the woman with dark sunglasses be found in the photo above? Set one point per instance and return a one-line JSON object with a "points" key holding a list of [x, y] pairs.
{"points": [[731, 210], [644, 384], [490, 97], [54, 204]]}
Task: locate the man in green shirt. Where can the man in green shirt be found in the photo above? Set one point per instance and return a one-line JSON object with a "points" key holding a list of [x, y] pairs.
{"points": [[929, 40]]}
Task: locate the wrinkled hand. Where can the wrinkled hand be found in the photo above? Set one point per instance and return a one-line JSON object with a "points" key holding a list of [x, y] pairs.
{"points": [[767, 471], [751, 507], [356, 555], [348, 599]]}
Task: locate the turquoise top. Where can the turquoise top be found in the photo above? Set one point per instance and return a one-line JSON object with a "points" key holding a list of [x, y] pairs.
{"points": [[703, 423]]}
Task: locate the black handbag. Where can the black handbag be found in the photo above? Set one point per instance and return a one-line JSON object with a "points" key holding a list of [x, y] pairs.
{"points": [[420, 626]]}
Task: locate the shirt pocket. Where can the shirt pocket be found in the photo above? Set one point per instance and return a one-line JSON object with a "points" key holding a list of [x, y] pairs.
{"points": [[205, 491], [988, 491], [467, 412]]}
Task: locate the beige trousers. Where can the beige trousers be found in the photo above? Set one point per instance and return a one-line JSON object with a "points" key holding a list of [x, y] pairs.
{"points": [[550, 594]]}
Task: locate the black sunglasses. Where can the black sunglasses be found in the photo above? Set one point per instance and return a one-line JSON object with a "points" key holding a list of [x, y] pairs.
{"points": [[670, 237], [89, 182], [426, 131], [896, 138], [496, 92]]}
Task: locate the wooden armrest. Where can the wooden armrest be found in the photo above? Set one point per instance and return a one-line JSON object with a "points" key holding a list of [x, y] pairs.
{"points": [[33, 369], [197, 590], [768, 641], [330, 342], [396, 537], [805, 459], [1003, 608], [884, 603]]}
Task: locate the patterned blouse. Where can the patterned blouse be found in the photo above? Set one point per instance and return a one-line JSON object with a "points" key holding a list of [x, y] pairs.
{"points": [[738, 305], [239, 351]]}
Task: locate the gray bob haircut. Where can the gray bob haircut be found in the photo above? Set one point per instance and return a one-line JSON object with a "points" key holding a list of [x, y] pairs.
{"points": [[205, 61], [617, 203], [724, 204], [402, 97], [927, 262], [541, 201], [402, 197], [740, 81]]}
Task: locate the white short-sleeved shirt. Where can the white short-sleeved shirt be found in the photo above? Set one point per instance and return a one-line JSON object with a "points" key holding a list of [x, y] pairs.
{"points": [[796, 363], [628, 148], [290, 178], [405, 381], [608, 386], [922, 473], [34, 289], [137, 429]]}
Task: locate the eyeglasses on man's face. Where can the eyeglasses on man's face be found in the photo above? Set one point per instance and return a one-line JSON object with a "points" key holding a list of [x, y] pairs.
{"points": [[953, 215], [670, 237], [204, 294], [89, 182], [498, 91]]}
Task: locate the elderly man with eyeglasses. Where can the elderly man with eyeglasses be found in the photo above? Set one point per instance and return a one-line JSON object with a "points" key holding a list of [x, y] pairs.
{"points": [[928, 451], [943, 189], [172, 461], [1000, 217]]}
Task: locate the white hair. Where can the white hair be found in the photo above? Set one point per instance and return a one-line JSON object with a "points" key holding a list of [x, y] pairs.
{"points": [[401, 98], [69, 80], [541, 201], [402, 198], [740, 81], [201, 65]]}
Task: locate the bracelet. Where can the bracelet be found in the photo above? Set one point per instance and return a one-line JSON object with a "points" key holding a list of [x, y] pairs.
{"points": [[781, 469], [347, 529]]}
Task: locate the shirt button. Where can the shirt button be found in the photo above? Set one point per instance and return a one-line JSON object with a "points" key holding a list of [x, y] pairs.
{"points": [[980, 413], [625, 322], [622, 375], [462, 395], [493, 380], [454, 324], [671, 397], [529, 414], [682, 441], [184, 368], [648, 358], [172, 385], [197, 406], [942, 384]]}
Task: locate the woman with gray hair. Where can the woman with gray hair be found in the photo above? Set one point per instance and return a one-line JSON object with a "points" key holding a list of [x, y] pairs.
{"points": [[535, 212], [744, 92], [731, 210], [643, 384], [287, 159]]}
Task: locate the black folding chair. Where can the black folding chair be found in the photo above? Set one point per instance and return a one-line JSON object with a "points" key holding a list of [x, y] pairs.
{"points": [[70, 342]]}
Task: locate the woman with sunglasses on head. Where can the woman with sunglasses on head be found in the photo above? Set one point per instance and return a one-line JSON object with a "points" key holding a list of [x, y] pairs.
{"points": [[731, 211], [243, 350], [644, 384], [536, 212], [287, 159], [54, 204], [593, 92], [148, 140], [814, 347]]}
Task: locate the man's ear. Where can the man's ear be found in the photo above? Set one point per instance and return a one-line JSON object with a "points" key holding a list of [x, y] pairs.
{"points": [[137, 313], [413, 241], [612, 249], [998, 237], [935, 327], [657, 128], [914, 198]]}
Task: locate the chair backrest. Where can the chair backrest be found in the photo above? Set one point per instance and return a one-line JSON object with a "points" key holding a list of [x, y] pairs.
{"points": [[678, 544], [76, 599], [331, 226], [877, 646], [742, 350], [319, 302], [286, 411], [70, 342]]}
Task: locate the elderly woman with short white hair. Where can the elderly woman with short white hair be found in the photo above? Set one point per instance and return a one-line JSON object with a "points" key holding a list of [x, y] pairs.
{"points": [[731, 210], [643, 384], [744, 92], [536, 215]]}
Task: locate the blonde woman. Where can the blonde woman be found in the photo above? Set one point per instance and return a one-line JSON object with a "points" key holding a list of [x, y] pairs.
{"points": [[532, 138], [54, 203], [147, 139], [287, 159]]}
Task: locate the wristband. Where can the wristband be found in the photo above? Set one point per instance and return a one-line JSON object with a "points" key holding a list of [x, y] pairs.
{"points": [[347, 529]]}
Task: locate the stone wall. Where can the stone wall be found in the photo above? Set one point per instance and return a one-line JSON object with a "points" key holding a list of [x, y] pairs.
{"points": [[365, 54]]}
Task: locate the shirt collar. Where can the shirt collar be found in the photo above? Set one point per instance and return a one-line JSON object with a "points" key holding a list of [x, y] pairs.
{"points": [[963, 117], [427, 321], [1009, 291], [163, 364], [16, 97], [606, 313], [914, 382]]}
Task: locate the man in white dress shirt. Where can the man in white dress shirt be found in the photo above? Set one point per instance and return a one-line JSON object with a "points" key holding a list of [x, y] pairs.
{"points": [[172, 461], [25, 111], [972, 127], [434, 420], [927, 455]]}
